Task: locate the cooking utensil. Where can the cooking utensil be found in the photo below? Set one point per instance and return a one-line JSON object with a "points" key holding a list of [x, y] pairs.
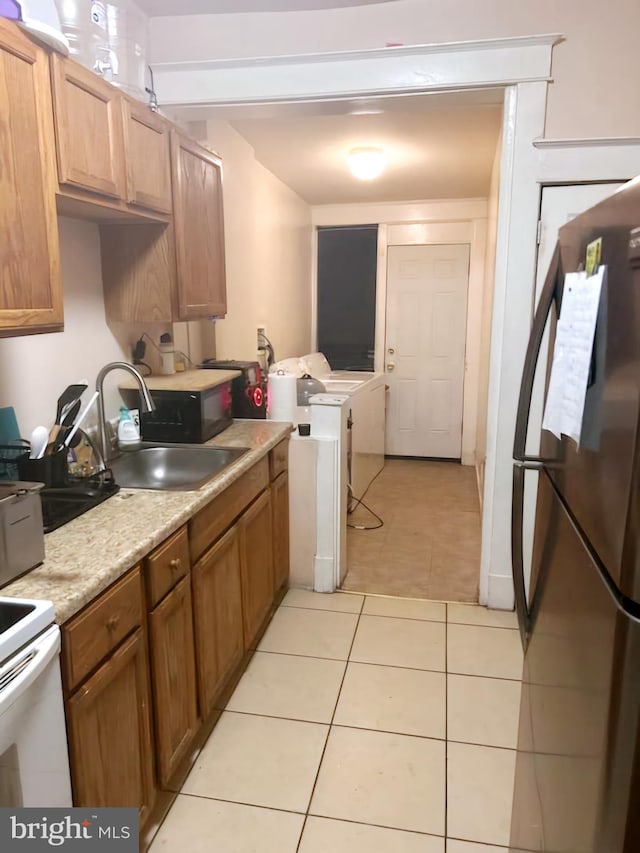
{"points": [[38, 441], [66, 400], [69, 415], [80, 419], [70, 394]]}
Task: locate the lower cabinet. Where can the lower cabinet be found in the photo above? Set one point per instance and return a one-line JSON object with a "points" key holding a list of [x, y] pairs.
{"points": [[256, 565], [217, 615], [140, 681], [174, 678], [109, 770]]}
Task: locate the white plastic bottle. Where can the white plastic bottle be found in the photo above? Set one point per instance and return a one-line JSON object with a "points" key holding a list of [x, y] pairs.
{"points": [[128, 434], [167, 355]]}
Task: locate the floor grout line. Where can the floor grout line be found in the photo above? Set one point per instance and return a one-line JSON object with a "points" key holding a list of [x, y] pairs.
{"points": [[239, 803], [391, 665], [324, 749], [374, 615], [377, 825], [335, 725]]}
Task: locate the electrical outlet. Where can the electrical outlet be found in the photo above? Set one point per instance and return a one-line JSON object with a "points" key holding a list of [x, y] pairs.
{"points": [[262, 332]]}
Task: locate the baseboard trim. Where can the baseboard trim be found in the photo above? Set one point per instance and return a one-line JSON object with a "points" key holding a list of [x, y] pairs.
{"points": [[500, 593]]}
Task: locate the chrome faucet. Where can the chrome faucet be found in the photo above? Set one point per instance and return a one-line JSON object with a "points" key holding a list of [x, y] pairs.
{"points": [[147, 403]]}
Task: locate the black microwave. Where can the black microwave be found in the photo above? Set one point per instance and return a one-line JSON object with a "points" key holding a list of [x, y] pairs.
{"points": [[188, 417]]}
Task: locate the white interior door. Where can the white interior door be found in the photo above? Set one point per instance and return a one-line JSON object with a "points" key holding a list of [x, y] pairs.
{"points": [[424, 350], [559, 205]]}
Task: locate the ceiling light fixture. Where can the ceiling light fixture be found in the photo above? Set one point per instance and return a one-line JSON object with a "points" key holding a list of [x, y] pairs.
{"points": [[366, 163]]}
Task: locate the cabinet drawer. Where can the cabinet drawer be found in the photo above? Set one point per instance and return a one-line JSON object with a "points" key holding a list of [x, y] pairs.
{"points": [[166, 565], [210, 522], [279, 459], [90, 637]]}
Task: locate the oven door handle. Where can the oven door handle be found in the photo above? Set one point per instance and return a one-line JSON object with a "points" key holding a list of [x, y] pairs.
{"points": [[20, 672]]}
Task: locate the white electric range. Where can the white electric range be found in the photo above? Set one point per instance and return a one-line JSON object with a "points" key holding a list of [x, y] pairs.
{"points": [[34, 762]]}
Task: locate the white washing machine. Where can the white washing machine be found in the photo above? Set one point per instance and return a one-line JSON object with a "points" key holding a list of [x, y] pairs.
{"points": [[366, 393]]}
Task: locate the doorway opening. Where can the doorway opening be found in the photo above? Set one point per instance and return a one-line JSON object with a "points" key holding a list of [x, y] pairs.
{"points": [[434, 297], [430, 215]]}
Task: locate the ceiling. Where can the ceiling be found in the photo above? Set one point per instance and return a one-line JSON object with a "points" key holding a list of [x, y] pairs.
{"points": [[158, 8], [438, 146]]}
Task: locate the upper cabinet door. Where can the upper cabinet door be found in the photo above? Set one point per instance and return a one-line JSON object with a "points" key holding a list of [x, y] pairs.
{"points": [[30, 288], [88, 122], [147, 153], [199, 229]]}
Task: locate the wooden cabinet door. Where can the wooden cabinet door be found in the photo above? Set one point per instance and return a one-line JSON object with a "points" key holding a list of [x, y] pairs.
{"points": [[280, 509], [173, 677], [256, 565], [88, 124], [199, 229], [30, 286], [109, 725], [217, 611], [148, 157]]}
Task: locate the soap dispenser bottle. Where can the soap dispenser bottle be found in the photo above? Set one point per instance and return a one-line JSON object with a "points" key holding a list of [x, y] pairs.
{"points": [[128, 434]]}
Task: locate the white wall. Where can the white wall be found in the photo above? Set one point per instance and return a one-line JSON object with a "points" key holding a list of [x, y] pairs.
{"points": [[487, 314], [429, 222], [35, 369], [268, 254], [594, 90]]}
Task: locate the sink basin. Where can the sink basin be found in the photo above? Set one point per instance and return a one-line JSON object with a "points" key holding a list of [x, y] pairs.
{"points": [[177, 466]]}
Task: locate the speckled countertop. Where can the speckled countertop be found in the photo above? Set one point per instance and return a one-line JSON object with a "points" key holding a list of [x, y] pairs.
{"points": [[85, 556]]}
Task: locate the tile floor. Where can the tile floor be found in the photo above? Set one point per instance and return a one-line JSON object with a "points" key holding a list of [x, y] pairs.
{"points": [[362, 725], [429, 546]]}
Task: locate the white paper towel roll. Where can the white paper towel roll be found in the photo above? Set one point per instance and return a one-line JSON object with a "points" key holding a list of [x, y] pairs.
{"points": [[282, 397]]}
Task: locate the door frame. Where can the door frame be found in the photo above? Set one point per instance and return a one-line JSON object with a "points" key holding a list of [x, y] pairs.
{"points": [[520, 65]]}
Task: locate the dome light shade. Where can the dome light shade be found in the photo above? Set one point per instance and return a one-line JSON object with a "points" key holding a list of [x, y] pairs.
{"points": [[366, 163]]}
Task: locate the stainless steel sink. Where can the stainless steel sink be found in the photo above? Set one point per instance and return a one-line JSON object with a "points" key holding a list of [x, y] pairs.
{"points": [[177, 466]]}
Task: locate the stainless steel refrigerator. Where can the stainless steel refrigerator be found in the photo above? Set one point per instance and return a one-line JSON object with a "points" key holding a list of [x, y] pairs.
{"points": [[577, 784]]}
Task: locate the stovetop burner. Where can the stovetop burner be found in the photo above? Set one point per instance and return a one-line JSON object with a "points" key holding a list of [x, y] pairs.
{"points": [[64, 504]]}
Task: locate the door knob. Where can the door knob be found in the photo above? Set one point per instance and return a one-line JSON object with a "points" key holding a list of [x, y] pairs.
{"points": [[390, 366], [391, 350]]}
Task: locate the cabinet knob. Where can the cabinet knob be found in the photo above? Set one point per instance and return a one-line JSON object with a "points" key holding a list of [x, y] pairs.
{"points": [[112, 622], [174, 564]]}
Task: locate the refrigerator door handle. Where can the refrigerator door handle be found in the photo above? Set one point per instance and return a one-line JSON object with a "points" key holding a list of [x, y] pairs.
{"points": [[529, 464], [522, 461], [517, 558], [547, 299]]}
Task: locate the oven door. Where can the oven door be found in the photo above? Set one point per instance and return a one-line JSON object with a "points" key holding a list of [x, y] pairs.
{"points": [[34, 762]]}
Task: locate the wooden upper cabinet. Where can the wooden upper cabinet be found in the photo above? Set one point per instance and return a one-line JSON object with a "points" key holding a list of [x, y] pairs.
{"points": [[89, 133], [30, 286], [147, 154], [199, 229]]}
